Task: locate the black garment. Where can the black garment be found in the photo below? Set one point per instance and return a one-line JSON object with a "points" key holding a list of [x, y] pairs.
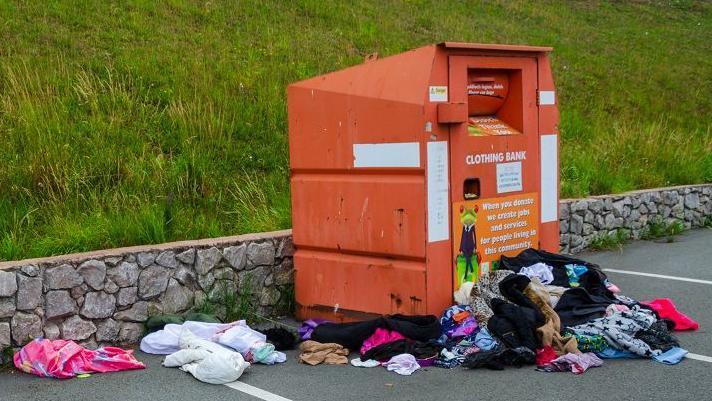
{"points": [[532, 256], [577, 306], [498, 359], [512, 287], [658, 336], [387, 351], [352, 335], [281, 338], [515, 325]]}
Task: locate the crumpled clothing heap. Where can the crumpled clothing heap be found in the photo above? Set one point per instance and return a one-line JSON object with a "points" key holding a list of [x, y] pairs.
{"points": [[63, 359], [575, 363], [379, 337], [236, 335], [457, 321], [483, 292], [206, 361], [542, 271], [166, 341], [403, 364], [619, 330], [314, 353]]}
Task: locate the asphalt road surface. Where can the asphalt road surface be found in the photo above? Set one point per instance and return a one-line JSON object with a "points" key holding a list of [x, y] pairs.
{"points": [[681, 270]]}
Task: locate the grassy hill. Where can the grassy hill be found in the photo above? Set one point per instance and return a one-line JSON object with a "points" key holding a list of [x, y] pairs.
{"points": [[137, 122]]}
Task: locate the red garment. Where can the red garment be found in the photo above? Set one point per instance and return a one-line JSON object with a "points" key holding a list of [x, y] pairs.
{"points": [[666, 310], [64, 359], [545, 355], [380, 336]]}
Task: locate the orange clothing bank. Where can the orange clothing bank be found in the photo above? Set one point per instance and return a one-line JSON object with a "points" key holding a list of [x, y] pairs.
{"points": [[414, 173]]}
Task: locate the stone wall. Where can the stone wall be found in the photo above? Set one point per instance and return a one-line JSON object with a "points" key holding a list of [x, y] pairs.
{"points": [[106, 296], [581, 220]]}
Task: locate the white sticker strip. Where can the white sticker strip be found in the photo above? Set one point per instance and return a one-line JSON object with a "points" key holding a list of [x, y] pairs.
{"points": [[547, 98], [549, 155], [403, 154], [438, 181]]}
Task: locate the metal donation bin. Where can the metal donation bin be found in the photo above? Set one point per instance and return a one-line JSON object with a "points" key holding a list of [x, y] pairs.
{"points": [[414, 173]]}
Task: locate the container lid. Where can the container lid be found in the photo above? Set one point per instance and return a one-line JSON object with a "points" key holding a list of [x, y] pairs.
{"points": [[489, 46]]}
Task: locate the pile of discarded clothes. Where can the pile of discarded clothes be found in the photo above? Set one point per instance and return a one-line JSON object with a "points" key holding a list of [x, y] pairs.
{"points": [[551, 311], [216, 353], [64, 359]]}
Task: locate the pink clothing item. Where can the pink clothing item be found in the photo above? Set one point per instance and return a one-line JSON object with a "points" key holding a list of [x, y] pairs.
{"points": [[667, 310], [380, 336], [64, 359], [576, 363]]}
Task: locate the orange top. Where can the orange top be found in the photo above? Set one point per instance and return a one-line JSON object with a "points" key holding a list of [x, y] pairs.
{"points": [[487, 46]]}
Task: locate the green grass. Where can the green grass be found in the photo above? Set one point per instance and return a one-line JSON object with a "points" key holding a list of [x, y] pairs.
{"points": [[609, 241], [659, 228], [231, 305], [135, 122], [6, 354]]}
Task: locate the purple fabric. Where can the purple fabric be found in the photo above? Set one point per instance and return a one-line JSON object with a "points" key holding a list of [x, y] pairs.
{"points": [[575, 363], [308, 326], [464, 328]]}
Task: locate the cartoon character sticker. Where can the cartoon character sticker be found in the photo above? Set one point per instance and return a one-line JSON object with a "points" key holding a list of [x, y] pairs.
{"points": [[467, 252], [468, 218]]}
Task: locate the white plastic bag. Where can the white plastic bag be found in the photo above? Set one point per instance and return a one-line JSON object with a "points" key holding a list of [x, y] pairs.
{"points": [[206, 361]]}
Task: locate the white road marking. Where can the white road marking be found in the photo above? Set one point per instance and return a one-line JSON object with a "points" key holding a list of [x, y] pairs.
{"points": [[690, 280], [698, 357], [256, 392]]}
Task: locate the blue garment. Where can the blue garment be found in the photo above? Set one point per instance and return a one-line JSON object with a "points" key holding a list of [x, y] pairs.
{"points": [[484, 341], [574, 272], [672, 356], [613, 353]]}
